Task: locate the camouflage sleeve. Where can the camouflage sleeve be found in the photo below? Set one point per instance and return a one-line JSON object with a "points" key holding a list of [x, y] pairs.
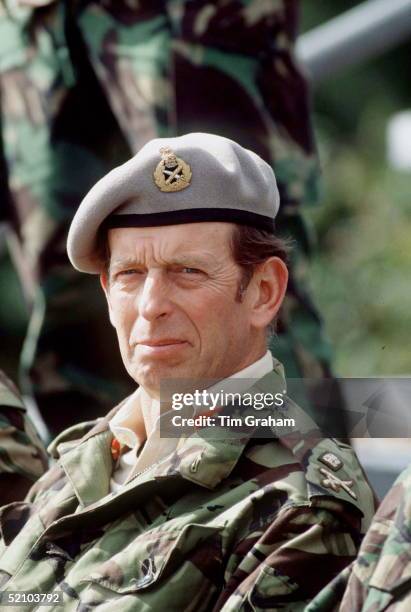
{"points": [[285, 565], [23, 458], [380, 577]]}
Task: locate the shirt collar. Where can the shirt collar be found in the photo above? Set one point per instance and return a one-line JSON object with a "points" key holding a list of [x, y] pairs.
{"points": [[258, 369], [129, 413]]}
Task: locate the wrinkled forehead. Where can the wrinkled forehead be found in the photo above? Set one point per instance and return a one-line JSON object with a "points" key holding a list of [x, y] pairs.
{"points": [[212, 238]]}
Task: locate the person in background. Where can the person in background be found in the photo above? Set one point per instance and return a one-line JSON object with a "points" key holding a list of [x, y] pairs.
{"points": [[379, 578], [23, 458]]}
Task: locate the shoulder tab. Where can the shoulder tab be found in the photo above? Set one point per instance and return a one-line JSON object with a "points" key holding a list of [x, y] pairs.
{"points": [[69, 437], [333, 470]]}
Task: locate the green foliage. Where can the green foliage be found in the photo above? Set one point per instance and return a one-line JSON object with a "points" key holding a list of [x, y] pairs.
{"points": [[360, 274]]}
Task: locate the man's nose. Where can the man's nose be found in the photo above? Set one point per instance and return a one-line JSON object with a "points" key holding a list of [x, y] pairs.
{"points": [[153, 300]]}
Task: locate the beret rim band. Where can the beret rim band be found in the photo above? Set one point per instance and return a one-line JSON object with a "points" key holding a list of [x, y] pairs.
{"points": [[193, 215]]}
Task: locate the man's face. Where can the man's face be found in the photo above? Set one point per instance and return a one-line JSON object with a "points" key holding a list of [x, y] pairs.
{"points": [[172, 298]]}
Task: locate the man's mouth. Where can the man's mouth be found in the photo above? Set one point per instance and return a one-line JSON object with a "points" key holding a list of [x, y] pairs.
{"points": [[163, 342], [166, 347]]}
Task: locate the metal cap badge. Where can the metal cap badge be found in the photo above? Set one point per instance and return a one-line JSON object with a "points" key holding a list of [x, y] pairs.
{"points": [[172, 173]]}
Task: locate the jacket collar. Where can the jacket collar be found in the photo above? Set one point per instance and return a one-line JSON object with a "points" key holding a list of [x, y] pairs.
{"points": [[200, 458]]}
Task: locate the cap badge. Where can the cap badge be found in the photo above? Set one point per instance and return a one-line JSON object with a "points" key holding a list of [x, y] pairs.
{"points": [[172, 173]]}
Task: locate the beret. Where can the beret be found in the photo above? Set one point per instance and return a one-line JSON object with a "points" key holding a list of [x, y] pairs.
{"points": [[191, 178]]}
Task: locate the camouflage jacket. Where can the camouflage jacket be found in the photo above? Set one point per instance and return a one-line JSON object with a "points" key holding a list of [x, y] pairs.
{"points": [[23, 458], [228, 524], [380, 578]]}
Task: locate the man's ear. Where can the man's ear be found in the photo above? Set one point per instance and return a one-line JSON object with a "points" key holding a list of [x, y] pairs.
{"points": [[104, 282], [270, 284]]}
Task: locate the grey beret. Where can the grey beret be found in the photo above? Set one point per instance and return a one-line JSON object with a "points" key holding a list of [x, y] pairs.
{"points": [[191, 178]]}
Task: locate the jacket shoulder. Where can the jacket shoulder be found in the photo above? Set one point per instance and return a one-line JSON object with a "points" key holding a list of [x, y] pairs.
{"points": [[319, 472], [333, 470], [22, 451]]}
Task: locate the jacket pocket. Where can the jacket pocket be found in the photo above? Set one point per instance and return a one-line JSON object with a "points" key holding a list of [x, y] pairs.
{"points": [[151, 557]]}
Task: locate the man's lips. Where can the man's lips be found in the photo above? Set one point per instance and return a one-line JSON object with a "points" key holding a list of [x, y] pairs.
{"points": [[166, 347], [158, 343]]}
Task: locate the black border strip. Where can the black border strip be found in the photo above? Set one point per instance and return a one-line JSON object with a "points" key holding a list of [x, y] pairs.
{"points": [[192, 215]]}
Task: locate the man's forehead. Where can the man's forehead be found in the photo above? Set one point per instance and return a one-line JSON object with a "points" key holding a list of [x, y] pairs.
{"points": [[211, 237]]}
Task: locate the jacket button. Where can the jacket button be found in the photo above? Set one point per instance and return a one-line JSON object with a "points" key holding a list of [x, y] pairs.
{"points": [[194, 464], [148, 568]]}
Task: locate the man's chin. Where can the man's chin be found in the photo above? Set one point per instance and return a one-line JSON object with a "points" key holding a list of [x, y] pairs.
{"points": [[152, 379]]}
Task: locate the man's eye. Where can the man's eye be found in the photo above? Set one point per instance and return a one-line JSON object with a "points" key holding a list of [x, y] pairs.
{"points": [[188, 270], [128, 272]]}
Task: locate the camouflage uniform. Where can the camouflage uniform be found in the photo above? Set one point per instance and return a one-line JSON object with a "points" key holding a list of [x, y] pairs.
{"points": [[22, 456], [83, 85], [379, 579], [229, 524]]}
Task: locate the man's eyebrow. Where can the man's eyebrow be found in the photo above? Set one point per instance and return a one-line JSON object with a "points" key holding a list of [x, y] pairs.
{"points": [[180, 259]]}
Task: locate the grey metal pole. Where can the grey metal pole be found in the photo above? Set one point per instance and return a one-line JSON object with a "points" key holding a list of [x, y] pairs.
{"points": [[360, 33]]}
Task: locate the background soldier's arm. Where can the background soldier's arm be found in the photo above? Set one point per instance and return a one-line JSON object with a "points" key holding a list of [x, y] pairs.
{"points": [[23, 458], [379, 578]]}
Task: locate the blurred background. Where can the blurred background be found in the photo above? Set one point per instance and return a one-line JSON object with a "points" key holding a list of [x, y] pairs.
{"points": [[360, 273], [359, 269]]}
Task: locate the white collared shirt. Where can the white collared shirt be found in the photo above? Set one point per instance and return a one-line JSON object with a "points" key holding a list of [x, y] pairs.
{"points": [[144, 453]]}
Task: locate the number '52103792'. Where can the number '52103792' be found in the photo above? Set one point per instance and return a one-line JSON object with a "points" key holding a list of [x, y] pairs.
{"points": [[25, 598]]}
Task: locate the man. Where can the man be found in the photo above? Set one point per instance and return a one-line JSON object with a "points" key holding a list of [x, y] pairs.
{"points": [[140, 69], [23, 458], [182, 236], [379, 579]]}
